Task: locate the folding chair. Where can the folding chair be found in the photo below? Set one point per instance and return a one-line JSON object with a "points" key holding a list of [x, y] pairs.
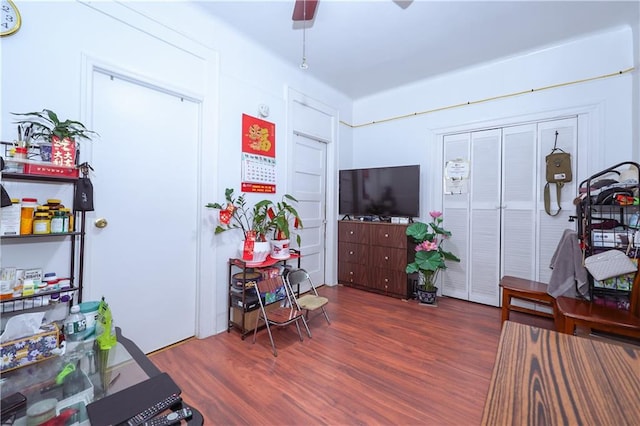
{"points": [[310, 301], [275, 290]]}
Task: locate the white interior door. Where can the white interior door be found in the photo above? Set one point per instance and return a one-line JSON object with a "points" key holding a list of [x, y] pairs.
{"points": [[519, 189], [486, 178], [144, 261], [309, 188], [456, 215]]}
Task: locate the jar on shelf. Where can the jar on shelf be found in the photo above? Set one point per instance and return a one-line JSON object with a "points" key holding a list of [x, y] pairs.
{"points": [[66, 219], [54, 204], [57, 222], [27, 210], [42, 223], [43, 209]]}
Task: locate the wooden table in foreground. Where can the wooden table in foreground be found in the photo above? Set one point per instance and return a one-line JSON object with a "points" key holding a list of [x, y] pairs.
{"points": [[546, 378]]}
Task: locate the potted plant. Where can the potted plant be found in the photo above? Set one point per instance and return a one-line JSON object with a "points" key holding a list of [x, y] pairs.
{"points": [[430, 257], [46, 126], [282, 215], [257, 221]]}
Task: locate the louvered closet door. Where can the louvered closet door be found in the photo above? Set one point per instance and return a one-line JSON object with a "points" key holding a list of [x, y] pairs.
{"points": [[552, 227], [456, 219], [519, 189], [484, 269]]}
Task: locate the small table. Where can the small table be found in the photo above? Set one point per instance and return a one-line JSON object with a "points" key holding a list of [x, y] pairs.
{"points": [[126, 365], [541, 377]]}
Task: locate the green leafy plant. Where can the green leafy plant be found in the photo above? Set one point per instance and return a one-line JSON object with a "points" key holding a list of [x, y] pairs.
{"points": [[46, 125], [282, 214], [430, 257], [238, 214], [263, 217]]}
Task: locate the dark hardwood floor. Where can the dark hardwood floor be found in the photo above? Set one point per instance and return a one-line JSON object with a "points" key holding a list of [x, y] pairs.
{"points": [[382, 361]]}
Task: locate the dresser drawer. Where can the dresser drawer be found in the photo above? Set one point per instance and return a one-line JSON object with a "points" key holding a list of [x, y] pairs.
{"points": [[388, 257], [388, 281], [353, 232], [389, 236], [353, 274], [353, 253]]}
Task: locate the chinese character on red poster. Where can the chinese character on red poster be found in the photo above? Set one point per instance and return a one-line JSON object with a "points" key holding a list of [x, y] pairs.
{"points": [[63, 152], [258, 155]]}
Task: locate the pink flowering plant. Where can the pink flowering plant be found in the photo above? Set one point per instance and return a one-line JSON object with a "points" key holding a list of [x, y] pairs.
{"points": [[430, 256]]}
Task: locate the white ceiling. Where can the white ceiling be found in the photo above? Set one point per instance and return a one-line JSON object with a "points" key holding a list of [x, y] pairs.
{"points": [[361, 47]]}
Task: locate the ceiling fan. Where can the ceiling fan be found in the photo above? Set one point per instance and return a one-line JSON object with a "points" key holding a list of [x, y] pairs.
{"points": [[304, 10]]}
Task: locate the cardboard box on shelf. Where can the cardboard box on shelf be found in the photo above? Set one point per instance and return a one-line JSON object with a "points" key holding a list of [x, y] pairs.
{"points": [[50, 170]]}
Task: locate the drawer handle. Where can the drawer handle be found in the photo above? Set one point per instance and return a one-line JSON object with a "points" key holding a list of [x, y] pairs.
{"points": [[350, 272], [386, 280], [350, 232], [386, 235], [350, 252], [386, 258]]}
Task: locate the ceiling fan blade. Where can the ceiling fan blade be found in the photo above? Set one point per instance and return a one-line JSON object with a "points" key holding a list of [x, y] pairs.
{"points": [[299, 10]]}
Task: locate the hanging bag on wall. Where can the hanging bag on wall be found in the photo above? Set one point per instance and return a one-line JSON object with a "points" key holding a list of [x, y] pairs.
{"points": [[83, 197], [558, 172]]}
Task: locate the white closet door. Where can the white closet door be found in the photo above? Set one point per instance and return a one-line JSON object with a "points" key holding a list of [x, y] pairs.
{"points": [[519, 189], [456, 219], [552, 227], [485, 216]]}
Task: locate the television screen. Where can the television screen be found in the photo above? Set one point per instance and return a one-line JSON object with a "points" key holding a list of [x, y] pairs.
{"points": [[380, 191]]}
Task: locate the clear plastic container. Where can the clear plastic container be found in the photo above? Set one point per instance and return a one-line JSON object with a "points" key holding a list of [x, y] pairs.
{"points": [[75, 325], [27, 210]]}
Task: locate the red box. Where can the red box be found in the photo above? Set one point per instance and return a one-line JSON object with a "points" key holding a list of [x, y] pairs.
{"points": [[50, 170]]}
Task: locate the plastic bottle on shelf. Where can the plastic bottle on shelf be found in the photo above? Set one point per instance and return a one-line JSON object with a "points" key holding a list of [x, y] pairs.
{"points": [[26, 215], [75, 324]]}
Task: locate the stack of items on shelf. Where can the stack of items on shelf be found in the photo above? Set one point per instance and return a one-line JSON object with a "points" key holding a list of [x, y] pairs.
{"points": [[608, 212], [28, 217], [17, 283]]}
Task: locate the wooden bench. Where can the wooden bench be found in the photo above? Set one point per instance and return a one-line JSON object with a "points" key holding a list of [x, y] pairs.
{"points": [[578, 312], [523, 289]]}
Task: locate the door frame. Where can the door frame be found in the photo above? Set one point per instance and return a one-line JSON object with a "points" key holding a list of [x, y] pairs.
{"points": [[586, 144], [211, 301], [331, 193]]}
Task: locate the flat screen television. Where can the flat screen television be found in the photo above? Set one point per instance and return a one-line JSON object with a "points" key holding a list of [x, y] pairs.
{"points": [[380, 191]]}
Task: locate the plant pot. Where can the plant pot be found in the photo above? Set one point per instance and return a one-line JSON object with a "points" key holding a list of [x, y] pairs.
{"points": [[45, 152], [260, 252], [280, 249], [427, 296]]}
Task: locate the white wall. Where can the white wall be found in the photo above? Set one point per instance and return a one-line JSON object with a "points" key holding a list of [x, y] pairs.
{"points": [[609, 130], [42, 68]]}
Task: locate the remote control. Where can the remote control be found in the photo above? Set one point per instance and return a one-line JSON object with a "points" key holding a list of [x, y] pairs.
{"points": [[170, 419], [154, 409]]}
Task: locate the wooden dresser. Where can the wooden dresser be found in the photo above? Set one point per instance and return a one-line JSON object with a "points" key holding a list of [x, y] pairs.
{"points": [[373, 256]]}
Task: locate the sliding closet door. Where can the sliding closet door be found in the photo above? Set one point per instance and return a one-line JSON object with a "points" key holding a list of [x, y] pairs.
{"points": [[484, 191], [456, 219], [519, 197]]}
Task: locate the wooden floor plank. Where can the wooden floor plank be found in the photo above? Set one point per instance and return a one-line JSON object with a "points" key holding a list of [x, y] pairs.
{"points": [[381, 361]]}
